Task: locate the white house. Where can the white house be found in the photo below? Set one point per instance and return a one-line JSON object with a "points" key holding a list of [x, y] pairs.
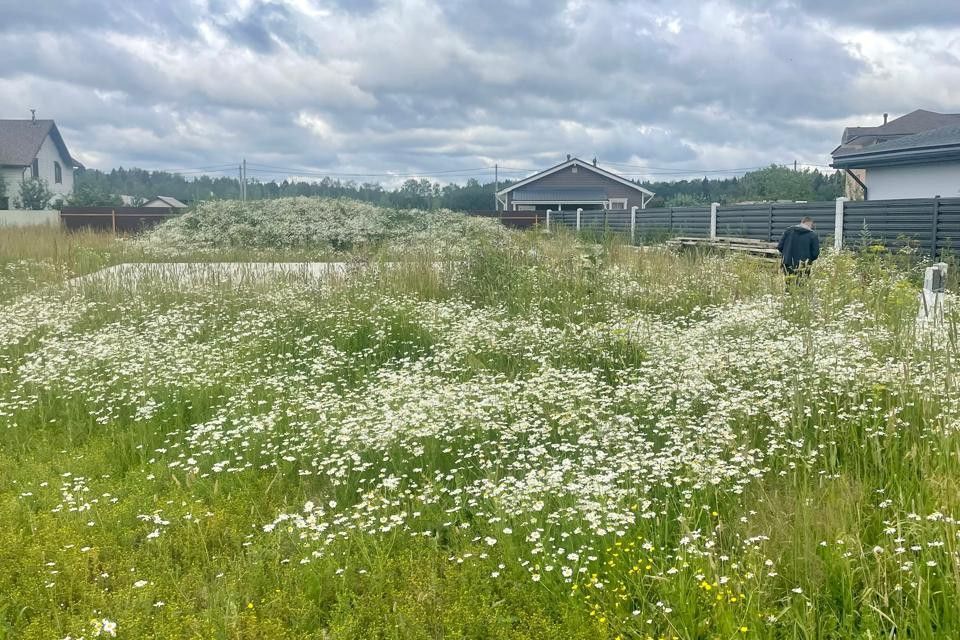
{"points": [[34, 149], [922, 165]]}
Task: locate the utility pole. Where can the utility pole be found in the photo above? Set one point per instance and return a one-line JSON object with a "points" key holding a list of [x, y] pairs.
{"points": [[496, 186], [240, 180], [794, 165], [244, 179]]}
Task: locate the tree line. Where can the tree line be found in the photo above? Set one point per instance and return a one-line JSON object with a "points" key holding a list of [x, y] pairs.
{"points": [[103, 188]]}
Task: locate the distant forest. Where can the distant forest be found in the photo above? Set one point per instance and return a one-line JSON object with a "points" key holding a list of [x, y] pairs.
{"points": [[94, 187]]}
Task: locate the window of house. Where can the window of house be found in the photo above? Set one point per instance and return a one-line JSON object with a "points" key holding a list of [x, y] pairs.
{"points": [[35, 169], [618, 203], [57, 173]]}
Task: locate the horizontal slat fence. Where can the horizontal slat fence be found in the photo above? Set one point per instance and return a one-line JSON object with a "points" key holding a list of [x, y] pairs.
{"points": [[769, 220], [115, 219], [927, 224]]}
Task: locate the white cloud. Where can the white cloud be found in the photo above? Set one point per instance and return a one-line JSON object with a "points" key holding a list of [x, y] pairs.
{"points": [[424, 85]]}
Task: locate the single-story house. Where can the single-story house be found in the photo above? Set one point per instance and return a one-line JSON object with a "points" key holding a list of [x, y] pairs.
{"points": [[168, 202], [573, 184], [34, 149], [869, 155], [923, 165]]}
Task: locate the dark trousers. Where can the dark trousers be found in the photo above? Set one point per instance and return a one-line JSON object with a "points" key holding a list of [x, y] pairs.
{"points": [[799, 271]]}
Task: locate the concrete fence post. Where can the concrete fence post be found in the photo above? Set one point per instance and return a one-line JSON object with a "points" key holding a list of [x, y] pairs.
{"points": [[633, 225], [714, 206], [579, 211], [548, 220], [838, 225]]}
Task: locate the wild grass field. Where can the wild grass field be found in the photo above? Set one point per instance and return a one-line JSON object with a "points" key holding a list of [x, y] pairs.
{"points": [[543, 437]]}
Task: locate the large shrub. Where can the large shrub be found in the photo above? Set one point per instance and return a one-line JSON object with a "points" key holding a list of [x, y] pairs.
{"points": [[324, 223]]}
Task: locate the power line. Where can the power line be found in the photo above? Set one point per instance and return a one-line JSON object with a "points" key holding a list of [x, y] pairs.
{"points": [[265, 168]]}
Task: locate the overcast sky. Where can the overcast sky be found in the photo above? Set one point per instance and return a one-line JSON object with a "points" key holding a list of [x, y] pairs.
{"points": [[425, 87]]}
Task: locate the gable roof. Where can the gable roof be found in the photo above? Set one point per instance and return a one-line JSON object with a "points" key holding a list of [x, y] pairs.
{"points": [[580, 163], [928, 146], [170, 201], [20, 141]]}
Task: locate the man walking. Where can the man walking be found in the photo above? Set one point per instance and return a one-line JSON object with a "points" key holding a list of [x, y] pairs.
{"points": [[799, 247]]}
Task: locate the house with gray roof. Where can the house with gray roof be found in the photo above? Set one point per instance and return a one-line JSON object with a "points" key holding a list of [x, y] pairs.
{"points": [[573, 184], [34, 149], [914, 156], [923, 165]]}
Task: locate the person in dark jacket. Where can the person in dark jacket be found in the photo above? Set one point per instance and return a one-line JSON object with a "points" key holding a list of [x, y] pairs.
{"points": [[799, 247]]}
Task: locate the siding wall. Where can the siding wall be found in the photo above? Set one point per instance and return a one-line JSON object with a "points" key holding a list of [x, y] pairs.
{"points": [[47, 156], [583, 178], [914, 181]]}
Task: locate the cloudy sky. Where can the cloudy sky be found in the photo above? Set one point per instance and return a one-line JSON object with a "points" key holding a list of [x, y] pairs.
{"points": [[445, 88]]}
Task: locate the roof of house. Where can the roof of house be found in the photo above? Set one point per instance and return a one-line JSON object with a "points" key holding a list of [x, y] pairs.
{"points": [[580, 163], [20, 141], [170, 201], [936, 145]]}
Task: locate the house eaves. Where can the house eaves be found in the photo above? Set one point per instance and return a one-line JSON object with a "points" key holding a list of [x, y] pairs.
{"points": [[937, 145]]}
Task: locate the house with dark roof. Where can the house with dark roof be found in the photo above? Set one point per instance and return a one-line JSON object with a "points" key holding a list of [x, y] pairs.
{"points": [[573, 184], [34, 149], [914, 156]]}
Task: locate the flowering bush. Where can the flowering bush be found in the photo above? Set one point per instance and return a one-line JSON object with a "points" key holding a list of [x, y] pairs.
{"points": [[317, 223]]}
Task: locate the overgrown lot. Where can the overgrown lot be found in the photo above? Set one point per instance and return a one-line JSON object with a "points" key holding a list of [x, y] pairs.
{"points": [[542, 439]]}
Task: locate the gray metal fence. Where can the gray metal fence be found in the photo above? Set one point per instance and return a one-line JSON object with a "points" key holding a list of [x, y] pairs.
{"points": [[768, 221], [929, 225]]}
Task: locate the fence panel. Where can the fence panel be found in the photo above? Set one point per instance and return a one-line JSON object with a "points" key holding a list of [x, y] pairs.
{"points": [[891, 223], [745, 221], [115, 219], [690, 221], [27, 218], [948, 226]]}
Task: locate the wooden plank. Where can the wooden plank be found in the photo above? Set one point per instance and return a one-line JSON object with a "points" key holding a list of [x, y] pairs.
{"points": [[742, 245]]}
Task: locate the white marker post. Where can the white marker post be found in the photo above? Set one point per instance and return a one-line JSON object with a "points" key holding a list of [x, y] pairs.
{"points": [[548, 220], [633, 225], [931, 298], [838, 225], [579, 211], [713, 219]]}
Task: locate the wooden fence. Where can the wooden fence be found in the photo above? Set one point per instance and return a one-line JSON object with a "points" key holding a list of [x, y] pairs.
{"points": [[115, 219]]}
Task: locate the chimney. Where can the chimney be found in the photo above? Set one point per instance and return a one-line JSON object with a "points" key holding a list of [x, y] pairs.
{"points": [[885, 116], [568, 156], [594, 160]]}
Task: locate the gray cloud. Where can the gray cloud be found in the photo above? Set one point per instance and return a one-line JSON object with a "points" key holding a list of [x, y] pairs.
{"points": [[427, 86]]}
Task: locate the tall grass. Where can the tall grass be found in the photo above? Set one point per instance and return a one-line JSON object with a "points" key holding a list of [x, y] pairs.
{"points": [[545, 438]]}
